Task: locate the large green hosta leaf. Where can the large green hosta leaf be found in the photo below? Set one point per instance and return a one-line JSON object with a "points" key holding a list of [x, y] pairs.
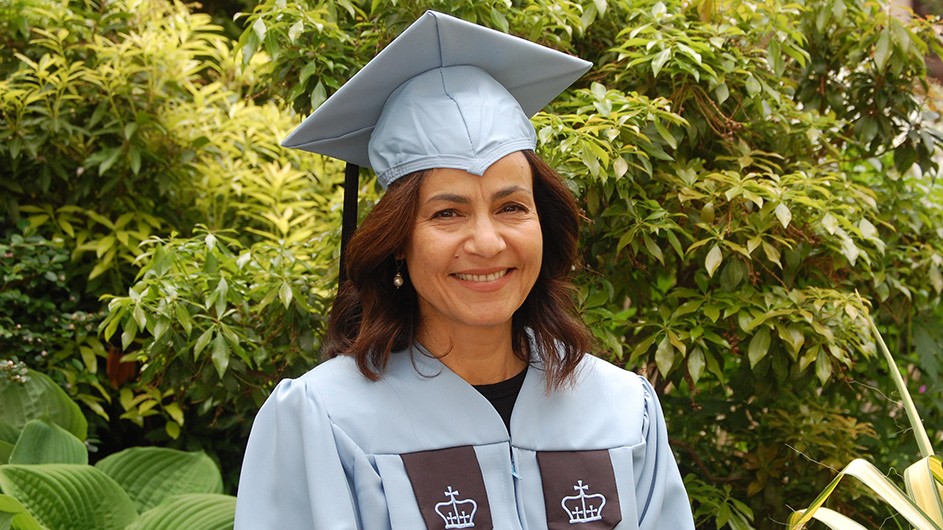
{"points": [[69, 496], [13, 515], [47, 443], [194, 511], [152, 474], [40, 398], [8, 436]]}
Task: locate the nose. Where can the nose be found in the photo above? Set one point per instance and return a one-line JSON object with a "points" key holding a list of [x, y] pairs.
{"points": [[485, 238]]}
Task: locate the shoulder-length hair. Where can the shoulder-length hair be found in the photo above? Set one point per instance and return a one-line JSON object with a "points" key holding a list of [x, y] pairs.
{"points": [[371, 319]]}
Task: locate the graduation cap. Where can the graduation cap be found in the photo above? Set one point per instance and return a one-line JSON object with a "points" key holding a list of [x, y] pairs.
{"points": [[444, 94]]}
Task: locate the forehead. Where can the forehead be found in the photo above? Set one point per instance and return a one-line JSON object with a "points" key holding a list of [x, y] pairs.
{"points": [[512, 172]]}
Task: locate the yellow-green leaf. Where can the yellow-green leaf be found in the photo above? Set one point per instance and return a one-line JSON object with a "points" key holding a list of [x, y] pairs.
{"points": [[713, 259], [665, 355]]}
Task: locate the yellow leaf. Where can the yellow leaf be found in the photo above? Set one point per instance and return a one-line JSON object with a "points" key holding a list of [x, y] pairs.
{"points": [[923, 480], [870, 476]]}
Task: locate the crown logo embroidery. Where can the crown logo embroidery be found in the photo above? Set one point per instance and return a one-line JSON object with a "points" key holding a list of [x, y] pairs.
{"points": [[455, 513], [583, 508]]}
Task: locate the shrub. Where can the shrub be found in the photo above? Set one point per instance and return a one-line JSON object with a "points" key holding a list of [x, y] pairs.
{"points": [[220, 325], [125, 125]]}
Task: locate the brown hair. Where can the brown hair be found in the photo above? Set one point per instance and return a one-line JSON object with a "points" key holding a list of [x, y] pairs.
{"points": [[371, 318]]}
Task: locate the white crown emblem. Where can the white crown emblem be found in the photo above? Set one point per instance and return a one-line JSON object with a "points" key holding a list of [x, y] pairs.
{"points": [[457, 514], [583, 508]]}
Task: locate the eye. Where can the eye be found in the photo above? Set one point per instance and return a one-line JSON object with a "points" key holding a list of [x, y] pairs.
{"points": [[514, 207], [448, 213]]}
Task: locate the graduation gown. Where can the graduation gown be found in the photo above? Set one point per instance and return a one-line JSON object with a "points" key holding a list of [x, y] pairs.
{"points": [[421, 448]]}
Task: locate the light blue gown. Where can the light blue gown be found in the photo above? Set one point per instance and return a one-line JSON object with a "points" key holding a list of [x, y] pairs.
{"points": [[327, 452]]}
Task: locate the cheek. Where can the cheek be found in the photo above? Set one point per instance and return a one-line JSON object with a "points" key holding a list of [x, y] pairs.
{"points": [[425, 255]]}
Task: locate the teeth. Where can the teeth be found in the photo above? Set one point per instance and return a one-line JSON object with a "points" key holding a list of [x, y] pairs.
{"points": [[481, 277]]}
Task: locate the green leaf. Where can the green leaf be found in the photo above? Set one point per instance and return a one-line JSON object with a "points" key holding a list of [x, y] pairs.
{"points": [[6, 449], [759, 346], [660, 61], [722, 92], [42, 442], [13, 515], [206, 511], [284, 294], [775, 57], [500, 21], [201, 342], [783, 214], [175, 412], [868, 230], [172, 429], [140, 316], [830, 223], [293, 33], [221, 291], [882, 50], [713, 260], [259, 28], [601, 6], [318, 95], [752, 85], [110, 157], [696, 364], [135, 154], [666, 135], [152, 475], [823, 367], [772, 253], [659, 10], [850, 250], [220, 354], [665, 356], [69, 496], [712, 312], [40, 398], [653, 248], [642, 347], [183, 317]]}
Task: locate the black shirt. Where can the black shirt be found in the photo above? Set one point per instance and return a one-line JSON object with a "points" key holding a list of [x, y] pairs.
{"points": [[502, 395]]}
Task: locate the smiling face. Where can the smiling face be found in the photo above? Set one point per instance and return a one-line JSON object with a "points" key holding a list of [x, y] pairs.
{"points": [[475, 251]]}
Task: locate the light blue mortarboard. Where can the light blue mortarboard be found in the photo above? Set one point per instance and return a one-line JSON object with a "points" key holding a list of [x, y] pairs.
{"points": [[445, 93]]}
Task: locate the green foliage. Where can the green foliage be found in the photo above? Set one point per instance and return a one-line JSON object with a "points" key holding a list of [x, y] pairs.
{"points": [[221, 324], [716, 504], [127, 122], [44, 489], [746, 167], [47, 482], [34, 395], [131, 121], [196, 511], [47, 443], [44, 317], [150, 475]]}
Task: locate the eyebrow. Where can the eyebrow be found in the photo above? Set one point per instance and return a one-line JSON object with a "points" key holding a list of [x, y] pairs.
{"points": [[461, 199]]}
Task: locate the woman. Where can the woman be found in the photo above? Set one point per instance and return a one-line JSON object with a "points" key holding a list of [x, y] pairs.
{"points": [[458, 394]]}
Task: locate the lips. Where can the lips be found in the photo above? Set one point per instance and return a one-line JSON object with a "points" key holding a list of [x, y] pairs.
{"points": [[482, 277]]}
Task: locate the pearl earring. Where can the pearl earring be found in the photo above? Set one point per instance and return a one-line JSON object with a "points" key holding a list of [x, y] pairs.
{"points": [[398, 280]]}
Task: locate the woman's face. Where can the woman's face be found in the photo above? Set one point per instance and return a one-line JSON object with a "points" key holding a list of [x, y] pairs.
{"points": [[475, 251]]}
